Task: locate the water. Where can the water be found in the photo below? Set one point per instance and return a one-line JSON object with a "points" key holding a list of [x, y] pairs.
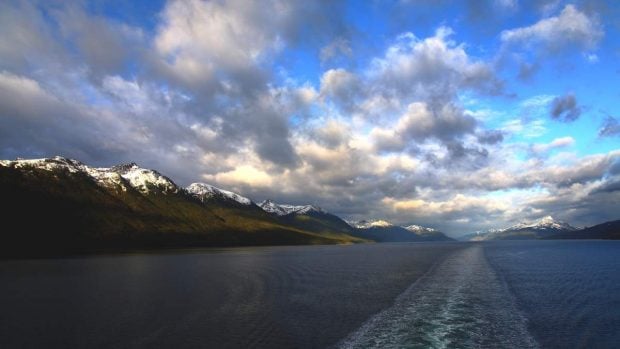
{"points": [[570, 290], [461, 303], [524, 294], [281, 297]]}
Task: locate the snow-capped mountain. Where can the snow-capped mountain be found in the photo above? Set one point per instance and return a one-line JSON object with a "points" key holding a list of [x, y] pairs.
{"points": [[545, 223], [364, 224], [205, 192], [144, 180], [544, 227], [62, 204], [122, 176], [418, 229], [283, 209], [384, 231]]}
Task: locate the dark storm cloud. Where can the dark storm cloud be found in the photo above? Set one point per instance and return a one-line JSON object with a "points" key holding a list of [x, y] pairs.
{"points": [[614, 169], [565, 108], [609, 187]]}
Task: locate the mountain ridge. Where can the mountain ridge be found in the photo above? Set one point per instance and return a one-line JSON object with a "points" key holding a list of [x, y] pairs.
{"points": [[384, 231], [79, 208], [544, 227]]}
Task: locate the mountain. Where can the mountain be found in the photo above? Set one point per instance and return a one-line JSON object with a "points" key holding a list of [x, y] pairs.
{"points": [[61, 205], [283, 209], [543, 228], [606, 231], [307, 217], [427, 234], [208, 193], [383, 231]]}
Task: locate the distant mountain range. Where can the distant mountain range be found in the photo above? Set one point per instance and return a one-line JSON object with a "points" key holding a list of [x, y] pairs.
{"points": [[382, 231], [61, 205], [548, 228]]}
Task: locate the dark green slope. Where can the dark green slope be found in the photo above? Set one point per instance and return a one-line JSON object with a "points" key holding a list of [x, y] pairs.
{"points": [[319, 222]]}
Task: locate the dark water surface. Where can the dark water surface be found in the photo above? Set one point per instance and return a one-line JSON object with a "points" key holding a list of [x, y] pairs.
{"points": [[307, 296], [569, 290], [522, 294]]}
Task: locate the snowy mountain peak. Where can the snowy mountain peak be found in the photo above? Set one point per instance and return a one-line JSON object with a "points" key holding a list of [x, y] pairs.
{"points": [[379, 223], [546, 222], [283, 209], [143, 180], [418, 229], [205, 191], [49, 164]]}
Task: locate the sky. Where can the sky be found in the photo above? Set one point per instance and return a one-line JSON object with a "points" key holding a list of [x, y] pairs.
{"points": [[458, 115]]}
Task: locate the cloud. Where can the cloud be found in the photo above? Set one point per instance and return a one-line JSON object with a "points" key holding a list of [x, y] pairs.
{"points": [[510, 5], [610, 127], [542, 148], [25, 35], [433, 69], [339, 46], [242, 175], [420, 123], [197, 40], [341, 87], [565, 108], [490, 136], [104, 45], [571, 28]]}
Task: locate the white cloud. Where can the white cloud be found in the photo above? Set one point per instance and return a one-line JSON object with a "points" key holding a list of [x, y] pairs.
{"points": [[564, 142], [199, 38], [432, 68], [570, 28], [242, 175]]}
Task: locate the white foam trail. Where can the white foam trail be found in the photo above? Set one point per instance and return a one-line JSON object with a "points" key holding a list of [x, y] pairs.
{"points": [[461, 303]]}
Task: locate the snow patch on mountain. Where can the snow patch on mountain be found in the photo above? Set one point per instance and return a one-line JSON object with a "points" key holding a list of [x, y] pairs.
{"points": [[144, 180], [546, 222], [205, 191], [418, 229], [283, 209], [546, 225]]}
